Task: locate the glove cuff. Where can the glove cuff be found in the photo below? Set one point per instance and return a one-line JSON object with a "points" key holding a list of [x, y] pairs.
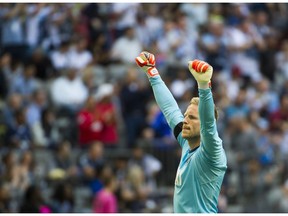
{"points": [[204, 85], [152, 71]]}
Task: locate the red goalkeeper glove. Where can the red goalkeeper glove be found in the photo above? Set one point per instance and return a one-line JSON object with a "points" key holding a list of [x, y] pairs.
{"points": [[202, 72], [146, 61]]}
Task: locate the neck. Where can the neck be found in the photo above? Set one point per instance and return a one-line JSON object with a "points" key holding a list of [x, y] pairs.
{"points": [[194, 142]]}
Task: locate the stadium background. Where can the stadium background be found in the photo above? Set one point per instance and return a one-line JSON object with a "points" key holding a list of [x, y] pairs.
{"points": [[76, 112]]}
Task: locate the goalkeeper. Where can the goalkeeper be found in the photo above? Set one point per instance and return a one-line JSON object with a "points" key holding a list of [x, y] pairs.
{"points": [[203, 162]]}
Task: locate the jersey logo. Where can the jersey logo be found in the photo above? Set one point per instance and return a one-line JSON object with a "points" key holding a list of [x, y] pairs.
{"points": [[178, 180]]}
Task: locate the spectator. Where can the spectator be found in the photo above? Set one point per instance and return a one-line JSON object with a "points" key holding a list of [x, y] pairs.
{"points": [[96, 15], [63, 161], [121, 169], [214, 43], [45, 132], [60, 57], [126, 47], [90, 124], [26, 83], [14, 102], [5, 199], [9, 170], [92, 77], [11, 68], [261, 23], [35, 14], [263, 98], [63, 199], [124, 16], [181, 83], [25, 171], [33, 201], [79, 56], [44, 68], [57, 26], [166, 42], [148, 164], [37, 104], [133, 97], [13, 37], [239, 108], [105, 200], [134, 193], [268, 56], [106, 110], [153, 30], [19, 134], [243, 45], [91, 165], [184, 40], [158, 123], [142, 29], [68, 91], [197, 13], [101, 50]]}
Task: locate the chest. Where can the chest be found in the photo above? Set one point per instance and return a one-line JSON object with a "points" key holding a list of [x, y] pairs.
{"points": [[187, 169]]}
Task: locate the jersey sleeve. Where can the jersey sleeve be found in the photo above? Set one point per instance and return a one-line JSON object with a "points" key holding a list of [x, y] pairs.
{"points": [[211, 142], [168, 105]]}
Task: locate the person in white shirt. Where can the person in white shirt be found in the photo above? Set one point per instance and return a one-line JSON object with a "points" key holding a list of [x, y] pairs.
{"points": [[79, 56], [60, 58], [243, 43], [126, 47], [68, 91], [125, 15]]}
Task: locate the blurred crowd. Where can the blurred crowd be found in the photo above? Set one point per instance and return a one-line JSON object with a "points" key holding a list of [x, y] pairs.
{"points": [[79, 127]]}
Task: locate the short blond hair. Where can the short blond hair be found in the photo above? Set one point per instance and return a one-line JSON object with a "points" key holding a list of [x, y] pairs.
{"points": [[195, 101]]}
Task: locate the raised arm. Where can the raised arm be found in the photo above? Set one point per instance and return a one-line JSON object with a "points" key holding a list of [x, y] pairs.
{"points": [[211, 143], [166, 102], [163, 96]]}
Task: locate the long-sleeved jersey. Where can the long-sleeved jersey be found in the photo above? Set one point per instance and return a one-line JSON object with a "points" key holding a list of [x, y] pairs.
{"points": [[201, 171]]}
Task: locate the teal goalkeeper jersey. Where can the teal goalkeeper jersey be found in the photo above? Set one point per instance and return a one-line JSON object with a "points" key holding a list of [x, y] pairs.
{"points": [[201, 171]]}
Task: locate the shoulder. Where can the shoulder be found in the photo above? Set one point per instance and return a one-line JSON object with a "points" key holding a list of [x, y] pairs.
{"points": [[177, 130]]}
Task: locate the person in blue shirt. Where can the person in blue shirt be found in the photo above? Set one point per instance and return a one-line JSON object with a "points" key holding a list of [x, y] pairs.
{"points": [[203, 161]]}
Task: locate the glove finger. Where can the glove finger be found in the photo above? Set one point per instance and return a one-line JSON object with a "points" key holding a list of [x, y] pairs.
{"points": [[204, 68], [194, 64], [199, 66], [152, 59], [140, 61]]}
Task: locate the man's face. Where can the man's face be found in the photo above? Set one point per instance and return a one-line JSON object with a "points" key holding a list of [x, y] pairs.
{"points": [[191, 123]]}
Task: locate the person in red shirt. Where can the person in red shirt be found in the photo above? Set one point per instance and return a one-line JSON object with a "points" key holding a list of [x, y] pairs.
{"points": [[107, 111], [90, 125]]}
